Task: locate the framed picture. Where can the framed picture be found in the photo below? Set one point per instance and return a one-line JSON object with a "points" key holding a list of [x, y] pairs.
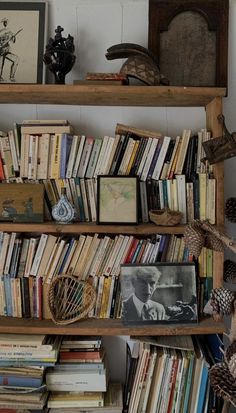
{"points": [[21, 202], [117, 200], [190, 40], [159, 293], [22, 40]]}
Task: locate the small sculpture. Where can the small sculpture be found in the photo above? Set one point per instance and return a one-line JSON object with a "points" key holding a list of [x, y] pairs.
{"points": [[59, 56], [141, 63], [63, 212]]}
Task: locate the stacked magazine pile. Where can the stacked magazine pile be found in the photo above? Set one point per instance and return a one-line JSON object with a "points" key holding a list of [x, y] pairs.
{"points": [[80, 378], [23, 360]]}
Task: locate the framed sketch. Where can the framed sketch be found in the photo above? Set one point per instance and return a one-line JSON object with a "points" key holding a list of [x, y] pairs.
{"points": [[117, 200], [159, 293], [22, 39], [190, 40]]}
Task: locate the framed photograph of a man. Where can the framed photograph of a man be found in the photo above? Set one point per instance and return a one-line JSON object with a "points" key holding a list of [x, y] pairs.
{"points": [[159, 293], [22, 40]]}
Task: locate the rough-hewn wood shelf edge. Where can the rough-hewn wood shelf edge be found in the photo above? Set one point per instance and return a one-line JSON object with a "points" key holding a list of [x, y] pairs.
{"points": [[105, 327], [110, 95], [87, 228]]}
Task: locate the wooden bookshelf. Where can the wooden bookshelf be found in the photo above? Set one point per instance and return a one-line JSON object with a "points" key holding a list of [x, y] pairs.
{"points": [[90, 228], [106, 327], [97, 95], [145, 96]]}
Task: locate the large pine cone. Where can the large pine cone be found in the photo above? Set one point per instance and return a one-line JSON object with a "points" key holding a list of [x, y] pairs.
{"points": [[230, 358], [222, 382], [194, 238], [230, 271], [221, 300], [230, 209]]}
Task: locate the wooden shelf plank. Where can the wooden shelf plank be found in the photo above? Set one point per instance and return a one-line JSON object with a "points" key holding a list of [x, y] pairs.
{"points": [[86, 228], [106, 327], [102, 95]]}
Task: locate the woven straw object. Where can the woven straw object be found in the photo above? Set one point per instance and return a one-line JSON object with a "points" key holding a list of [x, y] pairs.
{"points": [[165, 216], [70, 299]]}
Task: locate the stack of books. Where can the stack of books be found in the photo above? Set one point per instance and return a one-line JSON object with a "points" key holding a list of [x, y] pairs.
{"points": [[80, 379], [23, 360]]}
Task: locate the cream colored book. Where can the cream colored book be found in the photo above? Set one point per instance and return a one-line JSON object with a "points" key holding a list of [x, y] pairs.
{"points": [[78, 271], [211, 200], [31, 251], [99, 255], [56, 258], [72, 156], [161, 158], [106, 157], [13, 150], [115, 144], [183, 151], [202, 195], [101, 156], [75, 260], [181, 190], [6, 155], [56, 155], [91, 253], [9, 253], [47, 253], [43, 156], [38, 255], [81, 142]]}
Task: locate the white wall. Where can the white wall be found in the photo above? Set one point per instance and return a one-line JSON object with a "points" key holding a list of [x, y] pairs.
{"points": [[96, 25]]}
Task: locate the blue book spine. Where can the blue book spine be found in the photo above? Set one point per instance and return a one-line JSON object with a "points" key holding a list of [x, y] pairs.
{"points": [[7, 286], [18, 381], [202, 390]]}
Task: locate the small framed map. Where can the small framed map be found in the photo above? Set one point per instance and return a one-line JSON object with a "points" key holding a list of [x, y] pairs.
{"points": [[117, 200]]}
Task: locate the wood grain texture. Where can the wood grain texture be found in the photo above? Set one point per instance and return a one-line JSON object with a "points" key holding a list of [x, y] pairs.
{"points": [[109, 95], [90, 228], [106, 327]]}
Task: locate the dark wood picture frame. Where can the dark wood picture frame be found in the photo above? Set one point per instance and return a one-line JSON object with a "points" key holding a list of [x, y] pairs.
{"points": [[172, 300], [214, 13], [23, 54], [117, 199]]}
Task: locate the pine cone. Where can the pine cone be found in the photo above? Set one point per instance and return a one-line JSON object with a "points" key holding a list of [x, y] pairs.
{"points": [[230, 271], [194, 238], [214, 243], [222, 382], [221, 300], [230, 351], [230, 209]]}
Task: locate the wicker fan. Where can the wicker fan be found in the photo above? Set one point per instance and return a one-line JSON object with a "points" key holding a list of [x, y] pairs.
{"points": [[70, 299]]}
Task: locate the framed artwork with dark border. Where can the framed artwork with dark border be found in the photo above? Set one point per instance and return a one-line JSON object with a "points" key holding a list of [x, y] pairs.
{"points": [[117, 199], [190, 40], [22, 40], [160, 293]]}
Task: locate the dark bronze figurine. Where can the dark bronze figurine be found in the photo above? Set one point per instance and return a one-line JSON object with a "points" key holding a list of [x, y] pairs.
{"points": [[220, 148], [59, 55]]}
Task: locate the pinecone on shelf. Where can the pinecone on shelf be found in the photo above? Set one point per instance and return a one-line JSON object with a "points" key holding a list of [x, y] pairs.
{"points": [[222, 382], [230, 209], [230, 271], [221, 300], [230, 358], [214, 243], [194, 238]]}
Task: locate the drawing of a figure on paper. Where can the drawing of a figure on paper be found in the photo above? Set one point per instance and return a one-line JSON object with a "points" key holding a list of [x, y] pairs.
{"points": [[8, 59]]}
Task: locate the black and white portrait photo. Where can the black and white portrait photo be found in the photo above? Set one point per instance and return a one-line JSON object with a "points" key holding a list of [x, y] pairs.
{"points": [[22, 37], [158, 293]]}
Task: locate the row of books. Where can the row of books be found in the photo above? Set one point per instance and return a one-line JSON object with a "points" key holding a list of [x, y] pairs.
{"points": [[171, 375], [28, 265], [44, 150]]}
